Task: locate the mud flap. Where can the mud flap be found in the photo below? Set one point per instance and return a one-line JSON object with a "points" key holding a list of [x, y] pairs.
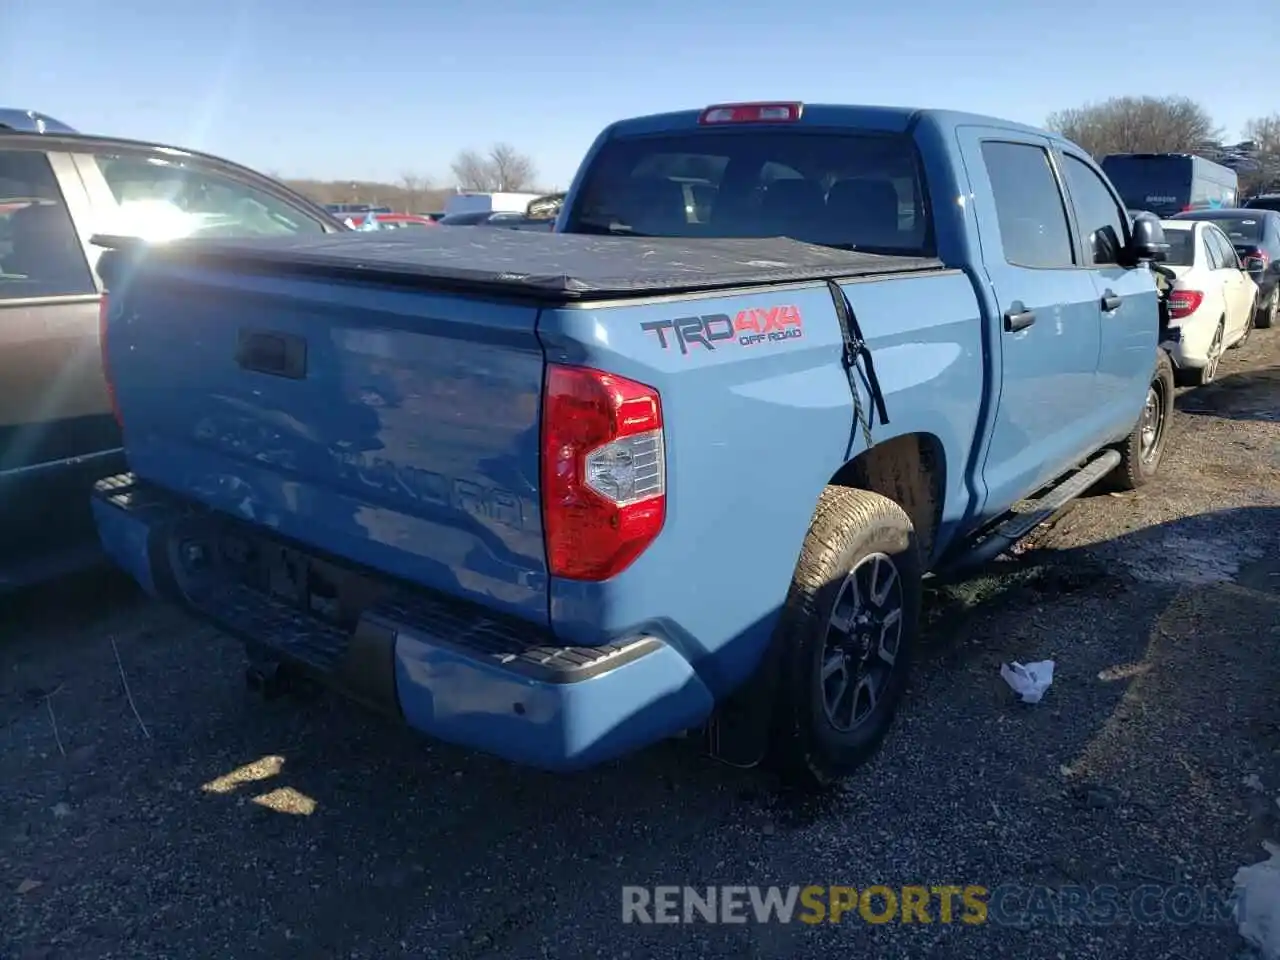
{"points": [[739, 731]]}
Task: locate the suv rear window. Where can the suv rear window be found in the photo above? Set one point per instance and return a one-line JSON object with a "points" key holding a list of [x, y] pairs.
{"points": [[860, 191]]}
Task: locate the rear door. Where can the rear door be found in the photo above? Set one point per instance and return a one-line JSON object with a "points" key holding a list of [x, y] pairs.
{"points": [[53, 403], [1129, 305], [1049, 333], [1228, 273]]}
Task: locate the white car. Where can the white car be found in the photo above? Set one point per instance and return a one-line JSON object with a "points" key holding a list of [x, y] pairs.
{"points": [[1213, 300]]}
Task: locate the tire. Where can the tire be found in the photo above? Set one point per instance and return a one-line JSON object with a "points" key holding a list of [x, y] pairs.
{"points": [[1205, 375], [1268, 314], [854, 536], [1139, 458]]}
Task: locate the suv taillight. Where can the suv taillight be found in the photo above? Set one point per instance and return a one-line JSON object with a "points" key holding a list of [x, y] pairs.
{"points": [[1183, 303], [604, 485], [1260, 257], [106, 366]]}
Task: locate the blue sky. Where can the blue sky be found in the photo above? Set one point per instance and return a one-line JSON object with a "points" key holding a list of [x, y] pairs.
{"points": [[372, 89]]}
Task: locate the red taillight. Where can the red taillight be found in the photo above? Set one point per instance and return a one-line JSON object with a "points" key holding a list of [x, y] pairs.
{"points": [[604, 494], [1183, 303], [752, 113], [106, 366], [1261, 258]]}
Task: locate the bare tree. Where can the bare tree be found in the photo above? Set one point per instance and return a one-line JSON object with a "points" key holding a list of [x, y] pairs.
{"points": [[472, 172], [513, 170], [503, 168], [1137, 125], [1264, 132], [413, 188]]}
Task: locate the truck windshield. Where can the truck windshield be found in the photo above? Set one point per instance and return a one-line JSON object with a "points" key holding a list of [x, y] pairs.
{"points": [[854, 191]]}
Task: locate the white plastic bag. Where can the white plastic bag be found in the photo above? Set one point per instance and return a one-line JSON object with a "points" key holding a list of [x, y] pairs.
{"points": [[1028, 681], [1258, 903]]}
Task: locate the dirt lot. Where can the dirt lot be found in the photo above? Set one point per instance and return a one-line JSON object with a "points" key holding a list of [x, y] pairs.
{"points": [[195, 821]]}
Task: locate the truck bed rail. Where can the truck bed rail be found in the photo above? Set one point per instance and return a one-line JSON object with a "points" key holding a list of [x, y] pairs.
{"points": [[545, 268]]}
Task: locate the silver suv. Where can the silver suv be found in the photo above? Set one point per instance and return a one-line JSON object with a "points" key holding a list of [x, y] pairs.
{"points": [[57, 189]]}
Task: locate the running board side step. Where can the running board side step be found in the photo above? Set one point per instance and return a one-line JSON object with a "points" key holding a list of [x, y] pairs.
{"points": [[1020, 523]]}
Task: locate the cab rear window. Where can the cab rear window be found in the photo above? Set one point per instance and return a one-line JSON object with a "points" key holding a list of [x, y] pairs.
{"points": [[854, 191]]}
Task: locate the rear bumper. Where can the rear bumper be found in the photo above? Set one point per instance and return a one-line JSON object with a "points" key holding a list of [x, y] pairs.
{"points": [[453, 672], [1188, 342]]}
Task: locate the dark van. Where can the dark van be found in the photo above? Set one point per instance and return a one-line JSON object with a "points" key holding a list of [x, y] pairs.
{"points": [[1169, 183]]}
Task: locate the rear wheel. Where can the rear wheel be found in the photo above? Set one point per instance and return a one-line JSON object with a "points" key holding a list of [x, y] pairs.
{"points": [[1142, 450], [848, 631], [1205, 374], [1268, 314]]}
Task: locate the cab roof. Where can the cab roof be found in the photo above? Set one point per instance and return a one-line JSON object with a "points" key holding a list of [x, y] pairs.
{"points": [[884, 118]]}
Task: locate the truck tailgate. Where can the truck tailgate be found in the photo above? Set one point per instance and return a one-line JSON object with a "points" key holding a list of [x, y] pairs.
{"points": [[396, 429]]}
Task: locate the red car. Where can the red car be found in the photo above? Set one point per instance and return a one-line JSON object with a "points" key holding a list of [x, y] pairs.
{"points": [[391, 221]]}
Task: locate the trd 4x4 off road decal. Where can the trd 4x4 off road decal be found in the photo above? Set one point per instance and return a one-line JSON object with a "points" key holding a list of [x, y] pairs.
{"points": [[750, 327]]}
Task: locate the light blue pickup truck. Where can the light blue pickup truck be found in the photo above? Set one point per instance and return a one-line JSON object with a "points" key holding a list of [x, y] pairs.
{"points": [[679, 466]]}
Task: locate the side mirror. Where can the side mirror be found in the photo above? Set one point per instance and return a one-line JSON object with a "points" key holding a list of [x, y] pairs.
{"points": [[1147, 242]]}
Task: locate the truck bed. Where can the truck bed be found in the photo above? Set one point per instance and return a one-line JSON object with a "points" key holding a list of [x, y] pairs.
{"points": [[544, 268]]}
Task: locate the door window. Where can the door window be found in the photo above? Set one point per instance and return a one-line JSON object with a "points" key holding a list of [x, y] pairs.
{"points": [[1029, 205], [1101, 219], [40, 252], [1221, 254], [1228, 251], [163, 200]]}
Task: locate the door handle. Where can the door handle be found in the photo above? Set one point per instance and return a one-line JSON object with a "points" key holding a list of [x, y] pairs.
{"points": [[1110, 302], [1018, 317], [275, 354]]}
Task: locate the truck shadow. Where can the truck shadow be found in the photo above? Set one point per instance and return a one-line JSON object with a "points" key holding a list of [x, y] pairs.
{"points": [[321, 830]]}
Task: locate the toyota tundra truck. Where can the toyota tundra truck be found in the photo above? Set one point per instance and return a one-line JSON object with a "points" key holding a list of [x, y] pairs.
{"points": [[678, 466]]}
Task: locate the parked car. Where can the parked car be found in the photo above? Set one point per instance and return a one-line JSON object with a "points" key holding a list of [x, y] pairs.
{"points": [[1263, 201], [476, 218], [343, 210], [518, 222], [545, 208], [1255, 235], [389, 221], [57, 435], [506, 219], [1213, 301], [659, 472]]}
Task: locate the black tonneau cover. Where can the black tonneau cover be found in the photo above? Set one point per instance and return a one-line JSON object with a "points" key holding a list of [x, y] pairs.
{"points": [[548, 267]]}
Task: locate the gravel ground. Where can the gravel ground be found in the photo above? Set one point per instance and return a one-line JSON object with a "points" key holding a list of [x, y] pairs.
{"points": [[150, 807]]}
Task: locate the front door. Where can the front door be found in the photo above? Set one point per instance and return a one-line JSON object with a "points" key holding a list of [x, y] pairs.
{"points": [[1048, 335], [1130, 305]]}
